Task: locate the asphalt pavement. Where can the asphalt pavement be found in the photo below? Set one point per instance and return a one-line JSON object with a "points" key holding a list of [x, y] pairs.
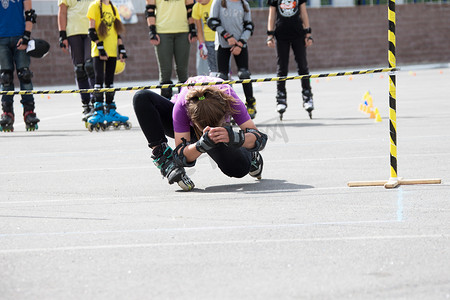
{"points": [[86, 215]]}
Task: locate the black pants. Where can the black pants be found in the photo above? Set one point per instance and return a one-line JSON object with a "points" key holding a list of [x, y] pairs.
{"points": [[223, 64], [299, 50], [104, 73], [154, 114], [80, 50]]}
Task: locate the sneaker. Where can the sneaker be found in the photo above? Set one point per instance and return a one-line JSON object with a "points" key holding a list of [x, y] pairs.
{"points": [[256, 167]]}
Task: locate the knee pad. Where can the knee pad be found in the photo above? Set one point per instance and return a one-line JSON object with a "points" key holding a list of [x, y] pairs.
{"points": [[222, 76], [80, 73], [6, 77], [25, 75], [244, 74], [89, 68]]}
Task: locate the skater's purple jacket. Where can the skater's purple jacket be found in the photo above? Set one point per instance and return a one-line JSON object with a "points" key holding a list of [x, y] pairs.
{"points": [[181, 120]]}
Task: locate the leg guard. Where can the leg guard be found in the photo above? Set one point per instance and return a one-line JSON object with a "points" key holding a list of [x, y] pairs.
{"points": [[89, 68], [166, 92], [80, 73], [25, 75], [244, 73], [6, 77], [8, 107]]}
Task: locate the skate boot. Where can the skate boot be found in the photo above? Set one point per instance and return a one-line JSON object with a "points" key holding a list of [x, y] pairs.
{"points": [[251, 107], [308, 103], [7, 122], [30, 120], [88, 110], [97, 120], [163, 159], [256, 167], [281, 103], [114, 119]]}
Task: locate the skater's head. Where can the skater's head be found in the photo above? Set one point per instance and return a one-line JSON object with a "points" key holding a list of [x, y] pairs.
{"points": [[208, 106], [103, 26]]}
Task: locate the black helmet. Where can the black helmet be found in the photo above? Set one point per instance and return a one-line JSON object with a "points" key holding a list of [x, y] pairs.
{"points": [[37, 48]]}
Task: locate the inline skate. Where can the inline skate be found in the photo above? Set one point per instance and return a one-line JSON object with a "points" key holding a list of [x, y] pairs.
{"points": [[114, 119], [251, 107], [30, 120], [7, 122], [97, 120], [308, 103], [88, 111], [256, 167], [281, 103], [163, 160]]}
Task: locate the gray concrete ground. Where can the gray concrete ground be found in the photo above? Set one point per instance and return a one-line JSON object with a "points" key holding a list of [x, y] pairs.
{"points": [[87, 215]]}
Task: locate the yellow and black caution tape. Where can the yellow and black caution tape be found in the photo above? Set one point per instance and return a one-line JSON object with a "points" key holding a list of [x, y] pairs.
{"points": [[163, 86]]}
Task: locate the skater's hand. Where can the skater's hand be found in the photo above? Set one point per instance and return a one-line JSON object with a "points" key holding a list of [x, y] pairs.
{"points": [[203, 55], [236, 49], [270, 42], [101, 51], [155, 40], [65, 47], [308, 40], [217, 134], [232, 41], [21, 46]]}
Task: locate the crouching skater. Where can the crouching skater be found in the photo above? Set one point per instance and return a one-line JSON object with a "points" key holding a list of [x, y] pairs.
{"points": [[198, 118]]}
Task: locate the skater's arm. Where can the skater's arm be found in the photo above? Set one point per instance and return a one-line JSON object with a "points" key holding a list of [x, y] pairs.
{"points": [[222, 135], [192, 32], [30, 18], [62, 25], [306, 27], [150, 15], [271, 27], [190, 151]]}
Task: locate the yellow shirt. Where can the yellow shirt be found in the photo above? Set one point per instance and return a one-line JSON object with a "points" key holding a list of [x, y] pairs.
{"points": [[201, 12], [77, 23], [110, 40], [171, 16]]}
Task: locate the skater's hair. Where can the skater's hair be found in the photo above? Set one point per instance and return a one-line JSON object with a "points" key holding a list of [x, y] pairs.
{"points": [[103, 27], [208, 106], [224, 5]]}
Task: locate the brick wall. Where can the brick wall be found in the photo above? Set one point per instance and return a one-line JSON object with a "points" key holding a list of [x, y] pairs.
{"points": [[345, 37]]}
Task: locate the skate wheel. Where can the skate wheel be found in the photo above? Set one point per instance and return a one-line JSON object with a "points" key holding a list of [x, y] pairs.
{"points": [[281, 117], [102, 126], [310, 114], [127, 125], [186, 183]]}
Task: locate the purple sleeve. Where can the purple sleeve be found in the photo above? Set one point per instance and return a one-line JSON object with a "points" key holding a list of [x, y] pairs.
{"points": [[241, 116], [181, 120]]}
